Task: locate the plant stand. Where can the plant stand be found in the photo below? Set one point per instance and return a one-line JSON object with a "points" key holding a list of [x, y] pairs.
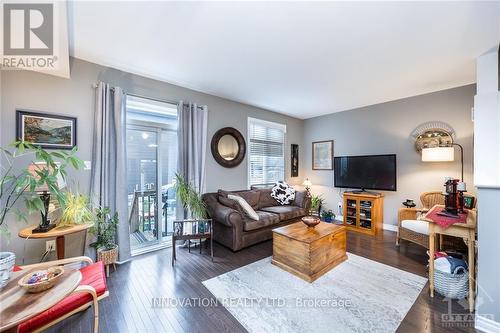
{"points": [[108, 257]]}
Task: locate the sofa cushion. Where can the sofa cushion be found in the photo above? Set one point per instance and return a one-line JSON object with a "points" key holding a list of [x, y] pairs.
{"points": [[283, 193], [265, 219], [250, 196], [92, 275], [249, 211], [265, 199], [286, 212]]}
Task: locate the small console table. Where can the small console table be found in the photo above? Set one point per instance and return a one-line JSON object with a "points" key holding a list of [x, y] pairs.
{"points": [[363, 212], [192, 229]]}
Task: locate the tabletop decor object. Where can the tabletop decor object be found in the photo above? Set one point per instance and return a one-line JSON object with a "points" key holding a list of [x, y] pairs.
{"points": [[311, 221], [41, 280], [409, 203], [7, 261]]}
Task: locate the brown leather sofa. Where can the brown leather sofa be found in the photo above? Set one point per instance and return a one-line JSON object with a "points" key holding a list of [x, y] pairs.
{"points": [[235, 230]]}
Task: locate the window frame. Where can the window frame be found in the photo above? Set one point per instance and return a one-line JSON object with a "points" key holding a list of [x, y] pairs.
{"points": [[269, 124]]}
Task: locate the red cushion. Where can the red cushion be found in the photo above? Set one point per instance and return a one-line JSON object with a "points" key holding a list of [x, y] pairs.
{"points": [[92, 275]]}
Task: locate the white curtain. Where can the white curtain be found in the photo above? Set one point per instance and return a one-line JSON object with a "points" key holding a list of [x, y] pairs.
{"points": [[108, 184], [192, 141]]}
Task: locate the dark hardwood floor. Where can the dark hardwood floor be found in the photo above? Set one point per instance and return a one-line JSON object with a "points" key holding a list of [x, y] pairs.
{"points": [[129, 308]]}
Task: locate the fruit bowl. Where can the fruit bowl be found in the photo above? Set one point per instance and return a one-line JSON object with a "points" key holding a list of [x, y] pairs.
{"points": [[311, 221], [41, 280]]}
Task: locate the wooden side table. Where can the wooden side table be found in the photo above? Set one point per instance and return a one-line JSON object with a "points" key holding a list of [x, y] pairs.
{"points": [[58, 232], [192, 229], [17, 305], [466, 231]]}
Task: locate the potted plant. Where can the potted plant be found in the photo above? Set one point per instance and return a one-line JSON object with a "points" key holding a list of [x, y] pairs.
{"points": [[316, 202], [327, 215], [20, 175], [190, 198], [76, 209], [104, 229]]}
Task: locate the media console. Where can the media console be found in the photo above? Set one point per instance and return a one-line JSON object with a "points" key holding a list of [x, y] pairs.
{"points": [[364, 212]]}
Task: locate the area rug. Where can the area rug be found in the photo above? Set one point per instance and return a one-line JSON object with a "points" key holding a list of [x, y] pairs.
{"points": [[359, 295]]}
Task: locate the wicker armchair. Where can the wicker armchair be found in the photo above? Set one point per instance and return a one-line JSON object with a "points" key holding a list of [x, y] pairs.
{"points": [[413, 230]]}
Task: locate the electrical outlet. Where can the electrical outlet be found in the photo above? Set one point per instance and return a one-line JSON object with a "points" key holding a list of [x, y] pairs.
{"points": [[50, 245]]}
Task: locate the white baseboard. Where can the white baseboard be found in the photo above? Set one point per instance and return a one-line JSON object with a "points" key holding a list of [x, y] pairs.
{"points": [[390, 227], [486, 325]]}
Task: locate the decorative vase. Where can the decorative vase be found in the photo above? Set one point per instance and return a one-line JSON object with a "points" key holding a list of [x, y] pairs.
{"points": [[7, 261], [108, 257], [328, 219], [311, 221]]}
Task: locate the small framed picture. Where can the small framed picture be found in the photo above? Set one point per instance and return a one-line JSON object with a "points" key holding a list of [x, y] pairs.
{"points": [[469, 202], [46, 130], [322, 155]]}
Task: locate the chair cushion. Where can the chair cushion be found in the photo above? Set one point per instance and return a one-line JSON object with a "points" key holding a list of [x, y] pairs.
{"points": [[92, 275], [422, 227], [265, 219], [286, 212]]}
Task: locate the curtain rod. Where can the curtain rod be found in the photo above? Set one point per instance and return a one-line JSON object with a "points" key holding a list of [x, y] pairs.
{"points": [[146, 97]]}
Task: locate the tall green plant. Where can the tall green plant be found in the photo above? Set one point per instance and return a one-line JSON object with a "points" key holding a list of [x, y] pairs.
{"points": [[104, 229], [189, 197], [316, 202], [17, 183]]}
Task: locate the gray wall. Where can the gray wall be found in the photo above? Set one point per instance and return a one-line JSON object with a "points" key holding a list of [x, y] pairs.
{"points": [[30, 90], [385, 129]]}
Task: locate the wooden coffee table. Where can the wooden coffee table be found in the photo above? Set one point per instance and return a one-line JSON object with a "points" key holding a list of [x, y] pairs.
{"points": [[309, 252]]}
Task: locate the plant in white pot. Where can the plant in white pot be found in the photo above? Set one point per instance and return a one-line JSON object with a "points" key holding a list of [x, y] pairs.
{"points": [[24, 169], [104, 229]]}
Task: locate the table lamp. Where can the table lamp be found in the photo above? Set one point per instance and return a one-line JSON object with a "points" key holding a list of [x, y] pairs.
{"points": [[44, 192], [307, 183]]}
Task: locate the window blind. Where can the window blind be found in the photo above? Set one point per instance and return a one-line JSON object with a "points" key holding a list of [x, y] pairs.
{"points": [[266, 162]]}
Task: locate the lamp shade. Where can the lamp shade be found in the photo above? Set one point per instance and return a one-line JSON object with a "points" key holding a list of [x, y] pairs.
{"points": [[438, 154], [32, 168], [307, 183]]}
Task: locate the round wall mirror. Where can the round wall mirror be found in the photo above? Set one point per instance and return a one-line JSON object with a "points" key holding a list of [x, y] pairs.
{"points": [[228, 147]]}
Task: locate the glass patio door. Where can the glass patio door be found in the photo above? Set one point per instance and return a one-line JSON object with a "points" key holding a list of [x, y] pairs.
{"points": [[151, 169]]}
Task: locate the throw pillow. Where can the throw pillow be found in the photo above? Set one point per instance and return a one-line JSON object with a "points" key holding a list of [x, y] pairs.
{"points": [[245, 206], [283, 193]]}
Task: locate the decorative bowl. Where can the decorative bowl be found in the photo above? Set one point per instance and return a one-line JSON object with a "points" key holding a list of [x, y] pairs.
{"points": [[311, 221], [7, 260], [41, 280]]}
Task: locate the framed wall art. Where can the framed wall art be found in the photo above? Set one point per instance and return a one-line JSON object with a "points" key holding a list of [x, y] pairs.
{"points": [[46, 130], [322, 155], [294, 160]]}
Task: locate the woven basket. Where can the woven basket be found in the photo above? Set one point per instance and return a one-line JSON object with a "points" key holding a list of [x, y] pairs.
{"points": [[42, 285], [455, 286], [108, 256]]}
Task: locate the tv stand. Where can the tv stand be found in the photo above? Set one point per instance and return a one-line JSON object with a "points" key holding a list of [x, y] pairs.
{"points": [[363, 191], [363, 211]]}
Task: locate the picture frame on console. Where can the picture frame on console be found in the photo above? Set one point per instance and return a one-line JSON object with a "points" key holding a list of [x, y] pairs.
{"points": [[322, 155]]}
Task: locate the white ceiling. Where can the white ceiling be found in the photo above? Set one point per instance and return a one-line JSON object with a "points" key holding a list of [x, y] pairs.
{"points": [[297, 58]]}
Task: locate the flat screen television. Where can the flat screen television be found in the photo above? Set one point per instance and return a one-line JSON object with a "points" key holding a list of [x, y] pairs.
{"points": [[373, 172]]}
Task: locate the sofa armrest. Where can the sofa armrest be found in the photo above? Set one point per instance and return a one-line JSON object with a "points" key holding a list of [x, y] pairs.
{"points": [[222, 214], [302, 200]]}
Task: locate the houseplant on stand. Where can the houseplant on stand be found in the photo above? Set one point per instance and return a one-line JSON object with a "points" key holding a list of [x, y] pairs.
{"points": [[20, 175], [104, 229]]}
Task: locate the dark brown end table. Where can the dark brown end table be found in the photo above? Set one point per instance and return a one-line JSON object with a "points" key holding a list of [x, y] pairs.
{"points": [[198, 229]]}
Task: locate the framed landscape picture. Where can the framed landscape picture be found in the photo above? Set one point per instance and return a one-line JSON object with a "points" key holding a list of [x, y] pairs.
{"points": [[46, 130], [322, 155]]}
